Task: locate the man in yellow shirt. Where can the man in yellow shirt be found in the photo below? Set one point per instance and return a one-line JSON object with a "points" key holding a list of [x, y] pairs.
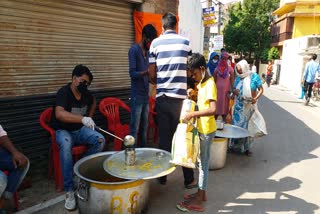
{"points": [[206, 124]]}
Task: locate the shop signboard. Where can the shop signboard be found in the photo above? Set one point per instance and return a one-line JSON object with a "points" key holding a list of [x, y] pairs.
{"points": [[217, 42], [209, 18]]}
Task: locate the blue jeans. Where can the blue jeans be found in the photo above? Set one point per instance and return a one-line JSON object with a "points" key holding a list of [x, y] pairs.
{"points": [[11, 183], [139, 119], [66, 140], [3, 182], [205, 143]]}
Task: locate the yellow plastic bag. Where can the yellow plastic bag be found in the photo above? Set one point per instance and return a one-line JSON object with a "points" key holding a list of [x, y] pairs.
{"points": [[185, 146]]}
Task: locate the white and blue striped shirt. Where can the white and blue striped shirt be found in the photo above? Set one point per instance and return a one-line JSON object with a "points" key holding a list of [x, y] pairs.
{"points": [[170, 52]]}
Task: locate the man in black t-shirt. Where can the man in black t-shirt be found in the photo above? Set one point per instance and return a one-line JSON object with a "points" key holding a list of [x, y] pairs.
{"points": [[72, 120]]}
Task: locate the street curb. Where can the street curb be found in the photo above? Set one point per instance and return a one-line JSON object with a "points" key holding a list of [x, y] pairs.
{"points": [[43, 205]]}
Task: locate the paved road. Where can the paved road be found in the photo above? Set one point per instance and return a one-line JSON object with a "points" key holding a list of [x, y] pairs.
{"points": [[281, 177]]}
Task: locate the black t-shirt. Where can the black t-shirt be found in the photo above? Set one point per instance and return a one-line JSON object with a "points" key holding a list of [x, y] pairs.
{"points": [[67, 100]]}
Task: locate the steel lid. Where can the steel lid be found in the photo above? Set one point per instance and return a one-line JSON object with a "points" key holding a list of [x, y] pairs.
{"points": [[232, 131], [150, 163]]}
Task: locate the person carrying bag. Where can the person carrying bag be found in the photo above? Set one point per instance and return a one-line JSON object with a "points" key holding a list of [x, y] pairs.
{"points": [[185, 146]]}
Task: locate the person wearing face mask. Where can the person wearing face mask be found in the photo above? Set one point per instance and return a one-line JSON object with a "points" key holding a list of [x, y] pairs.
{"points": [[213, 62], [224, 78], [247, 89], [72, 120], [139, 92], [206, 125]]}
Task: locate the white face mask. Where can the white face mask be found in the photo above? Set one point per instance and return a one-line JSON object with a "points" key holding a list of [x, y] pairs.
{"points": [[214, 60], [229, 62]]}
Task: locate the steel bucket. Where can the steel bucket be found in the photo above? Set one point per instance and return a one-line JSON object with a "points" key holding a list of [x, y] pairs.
{"points": [[98, 192], [218, 153]]}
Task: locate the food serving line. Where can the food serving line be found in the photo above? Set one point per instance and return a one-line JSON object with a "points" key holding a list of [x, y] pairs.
{"points": [[117, 182]]}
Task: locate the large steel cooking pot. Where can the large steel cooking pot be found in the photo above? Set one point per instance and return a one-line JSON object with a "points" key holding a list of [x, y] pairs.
{"points": [[98, 192]]}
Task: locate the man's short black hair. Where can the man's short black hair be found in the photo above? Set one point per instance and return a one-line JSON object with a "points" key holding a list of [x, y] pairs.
{"points": [[196, 61], [169, 21], [149, 32], [314, 56], [222, 49], [79, 70]]}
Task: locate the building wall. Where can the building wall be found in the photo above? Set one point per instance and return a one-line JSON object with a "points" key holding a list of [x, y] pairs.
{"points": [[304, 26], [191, 26], [159, 6], [293, 61]]}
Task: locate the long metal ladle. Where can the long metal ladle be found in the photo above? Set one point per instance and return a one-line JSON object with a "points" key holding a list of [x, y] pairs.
{"points": [[128, 139]]}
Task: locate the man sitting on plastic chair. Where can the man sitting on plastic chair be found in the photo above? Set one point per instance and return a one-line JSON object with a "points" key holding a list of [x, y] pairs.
{"points": [[72, 120], [15, 163]]}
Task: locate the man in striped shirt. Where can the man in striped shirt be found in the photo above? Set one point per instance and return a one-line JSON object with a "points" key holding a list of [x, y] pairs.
{"points": [[167, 67]]}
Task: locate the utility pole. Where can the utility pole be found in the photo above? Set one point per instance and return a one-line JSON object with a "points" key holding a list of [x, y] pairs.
{"points": [[207, 35], [207, 29], [219, 17]]}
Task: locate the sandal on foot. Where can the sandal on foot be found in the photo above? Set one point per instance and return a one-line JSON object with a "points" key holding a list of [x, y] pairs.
{"points": [[181, 208], [193, 184], [192, 207], [191, 196]]}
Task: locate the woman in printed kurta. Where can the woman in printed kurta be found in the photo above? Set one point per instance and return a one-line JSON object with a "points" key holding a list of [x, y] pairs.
{"points": [[247, 90]]}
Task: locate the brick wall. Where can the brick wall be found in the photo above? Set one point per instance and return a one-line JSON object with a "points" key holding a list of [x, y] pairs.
{"points": [[159, 6]]}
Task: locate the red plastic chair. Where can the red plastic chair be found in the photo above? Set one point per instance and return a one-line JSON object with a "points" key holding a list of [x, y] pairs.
{"points": [[109, 108], [15, 195], [153, 131], [77, 151]]}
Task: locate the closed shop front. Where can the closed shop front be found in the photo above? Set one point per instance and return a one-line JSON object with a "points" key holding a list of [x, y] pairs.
{"points": [[40, 43]]}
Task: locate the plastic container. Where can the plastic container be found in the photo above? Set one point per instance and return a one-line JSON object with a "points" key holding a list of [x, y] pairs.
{"points": [[218, 153]]}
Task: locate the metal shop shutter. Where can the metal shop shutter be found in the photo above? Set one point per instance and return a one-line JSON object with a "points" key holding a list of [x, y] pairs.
{"points": [[42, 40]]}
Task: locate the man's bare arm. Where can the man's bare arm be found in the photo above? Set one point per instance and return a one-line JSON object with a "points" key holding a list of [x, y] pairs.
{"points": [[152, 71]]}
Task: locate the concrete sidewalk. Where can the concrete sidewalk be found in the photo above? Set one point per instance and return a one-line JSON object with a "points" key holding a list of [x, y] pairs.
{"points": [[294, 95], [281, 177]]}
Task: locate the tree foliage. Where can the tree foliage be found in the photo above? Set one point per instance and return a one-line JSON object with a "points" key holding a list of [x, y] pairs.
{"points": [[248, 27], [273, 53]]}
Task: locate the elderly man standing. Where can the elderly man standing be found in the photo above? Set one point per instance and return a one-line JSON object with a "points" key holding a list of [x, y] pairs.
{"points": [[312, 67], [167, 67], [72, 120], [13, 161]]}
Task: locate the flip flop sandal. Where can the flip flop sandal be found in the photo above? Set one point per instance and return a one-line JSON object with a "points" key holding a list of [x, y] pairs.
{"points": [[181, 208], [191, 207], [191, 196]]}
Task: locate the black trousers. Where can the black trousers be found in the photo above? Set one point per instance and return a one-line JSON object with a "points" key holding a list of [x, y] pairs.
{"points": [[168, 115], [308, 89]]}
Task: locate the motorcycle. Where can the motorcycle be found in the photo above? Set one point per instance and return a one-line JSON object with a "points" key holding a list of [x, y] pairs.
{"points": [[316, 90]]}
